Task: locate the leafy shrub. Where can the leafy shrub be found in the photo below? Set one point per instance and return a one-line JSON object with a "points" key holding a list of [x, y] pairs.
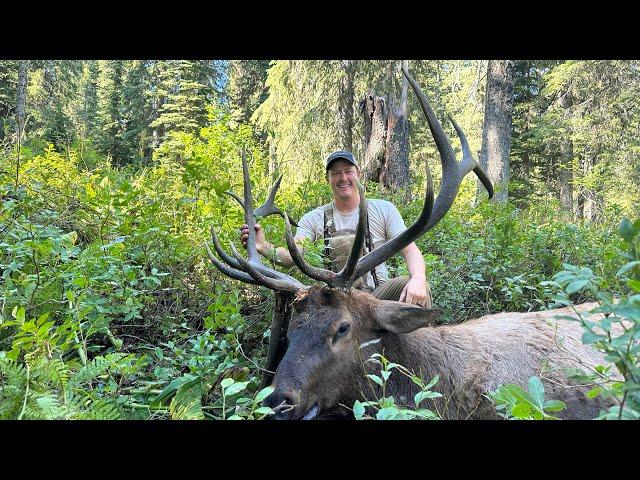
{"points": [[617, 334], [513, 403]]}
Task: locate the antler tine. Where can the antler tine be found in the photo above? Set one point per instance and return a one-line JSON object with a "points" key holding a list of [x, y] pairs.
{"points": [[236, 197], [227, 270], [316, 273], [345, 275], [468, 162], [249, 218], [251, 270], [289, 285], [393, 246], [228, 259], [268, 207]]}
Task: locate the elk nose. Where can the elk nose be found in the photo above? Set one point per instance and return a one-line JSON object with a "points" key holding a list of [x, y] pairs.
{"points": [[282, 402]]}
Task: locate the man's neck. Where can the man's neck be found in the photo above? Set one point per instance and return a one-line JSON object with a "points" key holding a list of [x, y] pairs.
{"points": [[347, 205]]}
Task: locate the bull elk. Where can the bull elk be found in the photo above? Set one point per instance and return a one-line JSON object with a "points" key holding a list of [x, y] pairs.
{"points": [[334, 328]]}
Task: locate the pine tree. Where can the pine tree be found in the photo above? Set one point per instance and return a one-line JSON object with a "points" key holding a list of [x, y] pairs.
{"points": [[184, 89], [8, 84], [246, 88], [110, 81]]}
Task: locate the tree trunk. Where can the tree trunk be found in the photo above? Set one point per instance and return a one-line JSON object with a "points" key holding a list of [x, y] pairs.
{"points": [[345, 104], [496, 131], [386, 138], [587, 201], [565, 175], [21, 99], [565, 163], [395, 170], [373, 109]]}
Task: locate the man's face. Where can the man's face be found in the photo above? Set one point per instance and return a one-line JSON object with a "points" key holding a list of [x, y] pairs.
{"points": [[342, 177]]}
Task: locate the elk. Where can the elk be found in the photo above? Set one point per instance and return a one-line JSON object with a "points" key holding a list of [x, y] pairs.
{"points": [[334, 328]]}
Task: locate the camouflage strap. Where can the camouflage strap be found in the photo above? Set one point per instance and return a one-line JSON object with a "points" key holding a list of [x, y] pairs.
{"points": [[329, 231]]}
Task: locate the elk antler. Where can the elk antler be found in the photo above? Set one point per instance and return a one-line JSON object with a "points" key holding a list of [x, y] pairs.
{"points": [[268, 207], [251, 270]]}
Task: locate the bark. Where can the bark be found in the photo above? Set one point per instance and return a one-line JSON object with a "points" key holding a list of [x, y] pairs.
{"points": [[496, 131], [395, 170], [565, 165], [345, 104], [386, 139], [588, 199], [278, 337], [21, 98], [373, 109], [565, 175]]}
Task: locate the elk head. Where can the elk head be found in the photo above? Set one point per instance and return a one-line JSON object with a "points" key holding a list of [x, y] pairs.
{"points": [[332, 324]]}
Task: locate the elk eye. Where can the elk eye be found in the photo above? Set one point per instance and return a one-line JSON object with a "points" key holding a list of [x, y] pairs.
{"points": [[342, 330]]}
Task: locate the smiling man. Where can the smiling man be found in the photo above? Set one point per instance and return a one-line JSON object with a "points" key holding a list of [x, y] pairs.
{"points": [[336, 223]]}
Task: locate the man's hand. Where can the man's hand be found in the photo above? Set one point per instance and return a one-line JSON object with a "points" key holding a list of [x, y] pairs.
{"points": [[415, 292], [244, 234]]}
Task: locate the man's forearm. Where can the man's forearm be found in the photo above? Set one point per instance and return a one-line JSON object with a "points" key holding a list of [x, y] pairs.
{"points": [[277, 255], [415, 262]]}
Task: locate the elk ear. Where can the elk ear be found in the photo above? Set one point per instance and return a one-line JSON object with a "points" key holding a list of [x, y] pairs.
{"points": [[398, 317]]}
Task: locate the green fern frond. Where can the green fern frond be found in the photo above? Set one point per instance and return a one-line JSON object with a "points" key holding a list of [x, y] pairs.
{"points": [[99, 366], [11, 372], [99, 409]]}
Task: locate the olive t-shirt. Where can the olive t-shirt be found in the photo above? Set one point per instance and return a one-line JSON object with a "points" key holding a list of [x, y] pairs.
{"points": [[385, 223]]}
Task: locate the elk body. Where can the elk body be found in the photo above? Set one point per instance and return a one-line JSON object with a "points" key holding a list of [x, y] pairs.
{"points": [[335, 328], [333, 333]]}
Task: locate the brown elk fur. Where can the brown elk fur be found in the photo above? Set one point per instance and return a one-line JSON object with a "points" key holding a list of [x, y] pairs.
{"points": [[471, 359]]}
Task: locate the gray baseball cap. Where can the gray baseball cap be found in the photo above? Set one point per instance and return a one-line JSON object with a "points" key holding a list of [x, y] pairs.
{"points": [[340, 155]]}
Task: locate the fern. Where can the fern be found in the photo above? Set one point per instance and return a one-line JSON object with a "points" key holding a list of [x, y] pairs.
{"points": [[46, 389], [98, 366], [100, 409], [43, 406]]}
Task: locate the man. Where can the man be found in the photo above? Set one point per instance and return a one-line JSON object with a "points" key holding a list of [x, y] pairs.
{"points": [[336, 222]]}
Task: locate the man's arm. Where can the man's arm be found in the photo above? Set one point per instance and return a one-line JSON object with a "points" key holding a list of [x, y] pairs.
{"points": [[415, 291], [278, 255]]}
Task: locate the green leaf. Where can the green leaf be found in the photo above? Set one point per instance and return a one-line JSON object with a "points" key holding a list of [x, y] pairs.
{"points": [[576, 285], [263, 411], [590, 337], [554, 406], [626, 230], [387, 413], [18, 313], [420, 396], [226, 382], [521, 410], [627, 267], [376, 379], [235, 388], [264, 393], [635, 284], [536, 390], [358, 410]]}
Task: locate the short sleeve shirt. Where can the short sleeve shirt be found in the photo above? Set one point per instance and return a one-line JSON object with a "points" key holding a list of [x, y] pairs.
{"points": [[385, 223]]}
